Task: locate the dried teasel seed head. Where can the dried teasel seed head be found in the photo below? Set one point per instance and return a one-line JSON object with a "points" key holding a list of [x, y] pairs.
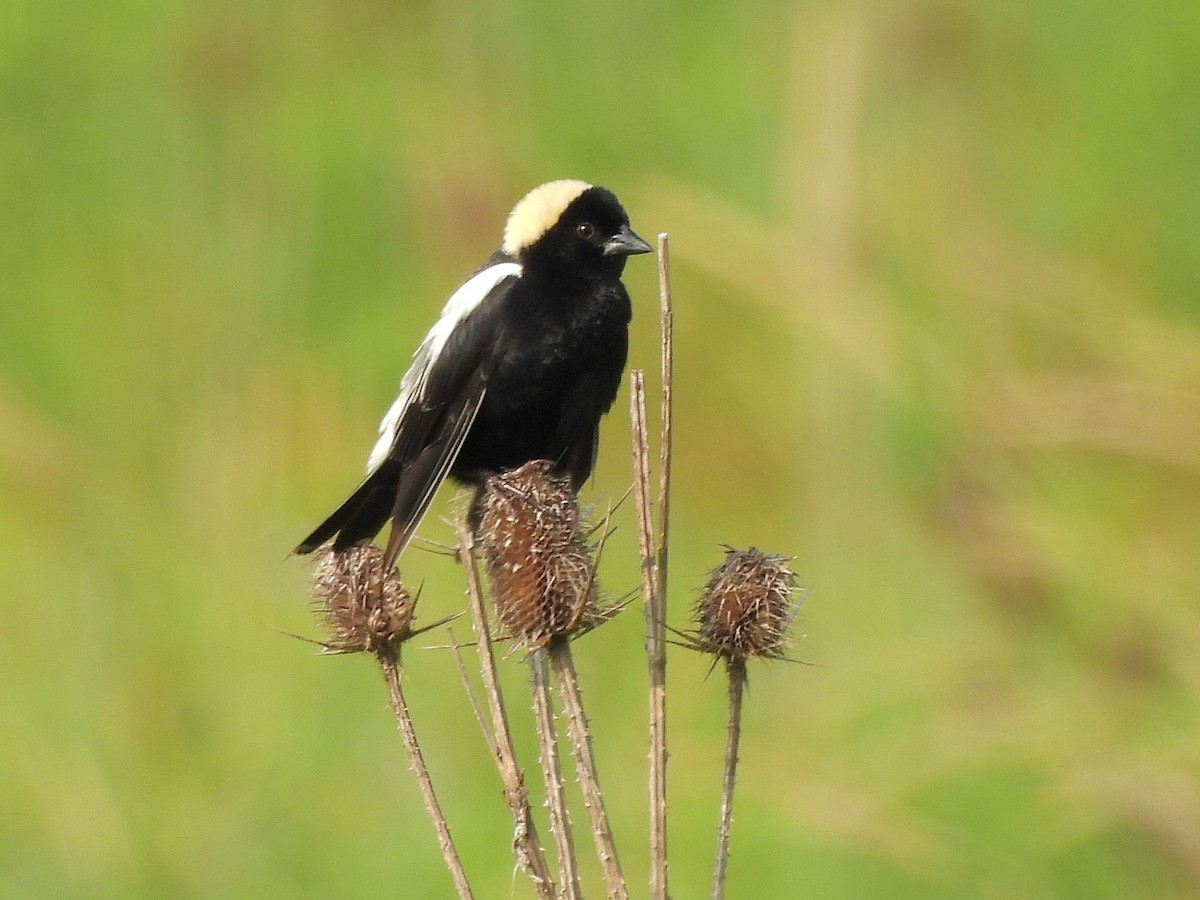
{"points": [[538, 562], [747, 606], [365, 608]]}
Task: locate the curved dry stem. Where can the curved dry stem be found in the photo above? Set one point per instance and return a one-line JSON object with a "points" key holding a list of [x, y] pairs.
{"points": [[526, 846], [389, 663], [737, 686], [556, 798], [585, 766]]}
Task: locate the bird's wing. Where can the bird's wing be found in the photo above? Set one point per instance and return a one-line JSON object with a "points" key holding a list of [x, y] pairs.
{"points": [[425, 472], [425, 428], [479, 291]]}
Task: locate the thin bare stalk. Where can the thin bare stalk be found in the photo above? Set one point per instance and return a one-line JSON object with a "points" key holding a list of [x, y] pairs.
{"points": [[472, 699], [556, 798], [389, 663], [668, 368], [526, 846], [656, 656], [656, 644], [563, 665], [737, 685]]}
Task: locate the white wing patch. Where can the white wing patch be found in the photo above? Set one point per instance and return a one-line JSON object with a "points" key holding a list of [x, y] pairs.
{"points": [[412, 386]]}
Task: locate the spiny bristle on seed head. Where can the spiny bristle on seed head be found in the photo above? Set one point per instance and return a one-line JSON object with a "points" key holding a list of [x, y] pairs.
{"points": [[537, 211], [747, 606], [365, 608], [539, 565]]}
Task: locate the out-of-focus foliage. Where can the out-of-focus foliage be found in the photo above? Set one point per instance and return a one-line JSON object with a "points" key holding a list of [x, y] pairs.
{"points": [[936, 269]]}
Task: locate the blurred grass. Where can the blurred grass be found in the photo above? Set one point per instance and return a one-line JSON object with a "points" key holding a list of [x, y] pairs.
{"points": [[936, 273]]}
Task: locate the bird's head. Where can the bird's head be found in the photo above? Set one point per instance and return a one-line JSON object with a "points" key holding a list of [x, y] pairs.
{"points": [[571, 227]]}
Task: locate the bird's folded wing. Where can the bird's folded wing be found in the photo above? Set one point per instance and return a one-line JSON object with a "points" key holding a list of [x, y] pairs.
{"points": [[428, 468], [422, 433]]}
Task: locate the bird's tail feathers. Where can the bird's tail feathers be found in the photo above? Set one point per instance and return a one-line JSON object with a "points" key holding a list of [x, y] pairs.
{"points": [[361, 515]]}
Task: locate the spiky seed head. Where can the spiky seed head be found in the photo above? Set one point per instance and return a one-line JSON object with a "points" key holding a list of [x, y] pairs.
{"points": [[365, 608], [747, 606], [538, 211], [538, 562]]}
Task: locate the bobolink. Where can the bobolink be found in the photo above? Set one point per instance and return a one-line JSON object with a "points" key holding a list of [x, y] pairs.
{"points": [[526, 357]]}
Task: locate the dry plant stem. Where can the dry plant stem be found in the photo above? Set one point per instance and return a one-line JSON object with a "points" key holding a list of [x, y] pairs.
{"points": [[472, 699], [388, 662], [526, 845], [585, 766], [556, 798], [664, 460], [655, 642], [737, 685]]}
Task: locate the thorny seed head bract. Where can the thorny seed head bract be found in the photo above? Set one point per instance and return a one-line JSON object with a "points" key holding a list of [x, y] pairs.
{"points": [[540, 567], [747, 607], [363, 604]]}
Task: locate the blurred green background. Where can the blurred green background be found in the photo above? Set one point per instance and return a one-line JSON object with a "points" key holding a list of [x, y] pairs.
{"points": [[937, 283]]}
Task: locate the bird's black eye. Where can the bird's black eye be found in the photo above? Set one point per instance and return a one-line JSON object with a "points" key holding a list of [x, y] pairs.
{"points": [[586, 230]]}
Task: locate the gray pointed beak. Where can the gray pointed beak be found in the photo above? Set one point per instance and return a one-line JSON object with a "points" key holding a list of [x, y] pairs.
{"points": [[626, 243]]}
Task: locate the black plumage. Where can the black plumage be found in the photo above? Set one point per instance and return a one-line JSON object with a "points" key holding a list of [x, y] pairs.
{"points": [[526, 358]]}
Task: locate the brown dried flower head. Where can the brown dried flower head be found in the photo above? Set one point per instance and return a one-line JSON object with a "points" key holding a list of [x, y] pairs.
{"points": [[365, 608], [747, 606], [538, 561]]}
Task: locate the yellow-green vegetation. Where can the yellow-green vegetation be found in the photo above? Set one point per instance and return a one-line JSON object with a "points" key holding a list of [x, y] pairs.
{"points": [[936, 270]]}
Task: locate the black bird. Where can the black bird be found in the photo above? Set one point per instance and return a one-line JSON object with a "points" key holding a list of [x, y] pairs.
{"points": [[526, 357]]}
